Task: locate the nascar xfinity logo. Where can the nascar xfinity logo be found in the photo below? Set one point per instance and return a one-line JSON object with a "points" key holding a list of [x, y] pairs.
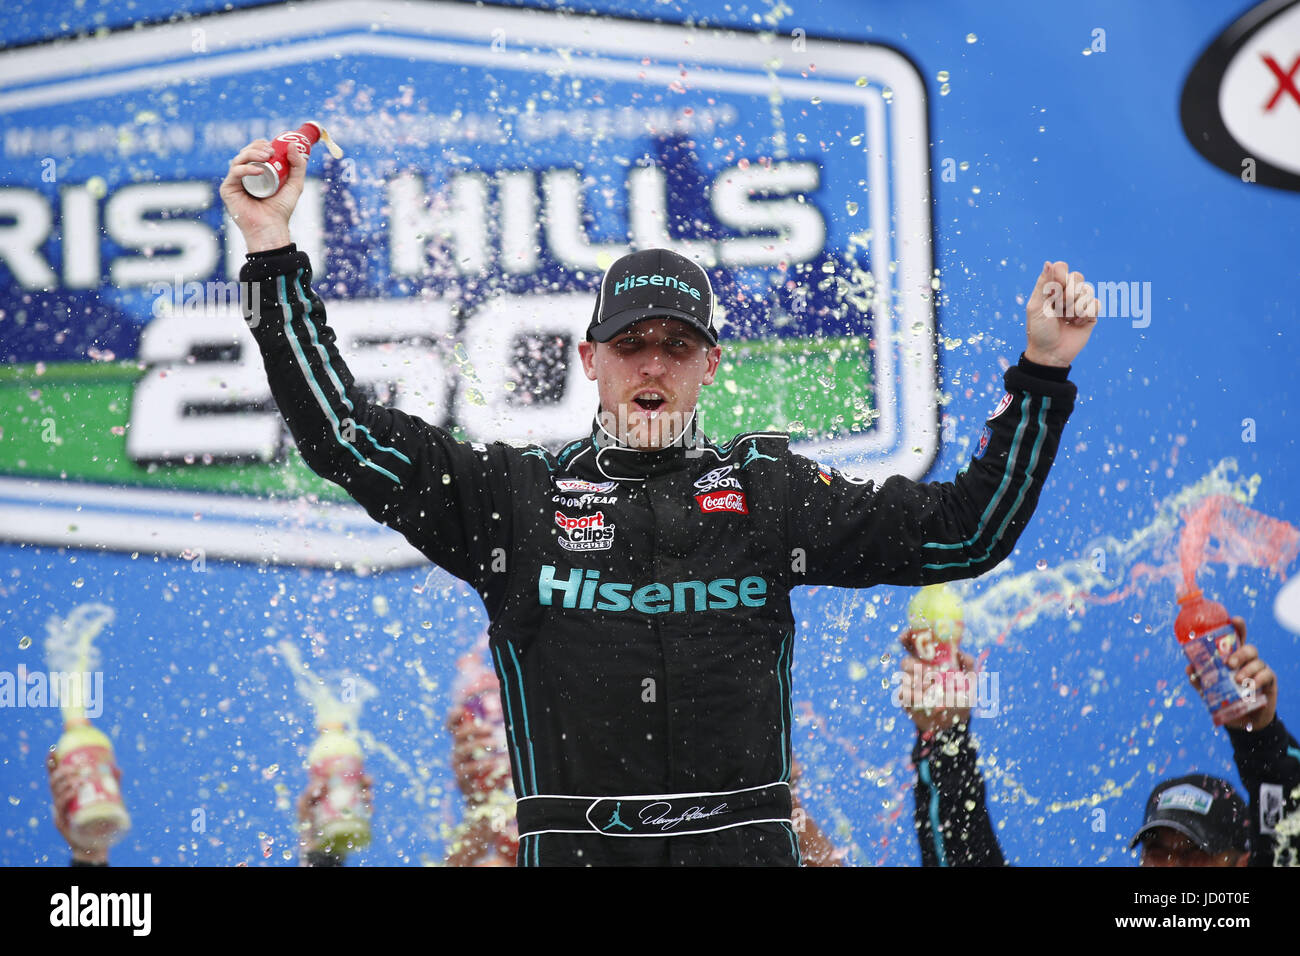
{"points": [[576, 486], [670, 282], [585, 591]]}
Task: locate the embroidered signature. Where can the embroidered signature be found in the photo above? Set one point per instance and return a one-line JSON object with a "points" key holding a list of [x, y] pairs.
{"points": [[653, 815]]}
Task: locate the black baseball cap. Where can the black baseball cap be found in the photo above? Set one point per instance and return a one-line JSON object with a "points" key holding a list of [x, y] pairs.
{"points": [[653, 284], [1205, 809]]}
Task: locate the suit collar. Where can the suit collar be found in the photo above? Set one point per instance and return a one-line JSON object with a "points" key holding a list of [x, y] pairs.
{"points": [[616, 460]]}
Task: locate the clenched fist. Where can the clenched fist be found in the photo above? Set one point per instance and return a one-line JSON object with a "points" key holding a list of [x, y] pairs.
{"points": [[1060, 316]]}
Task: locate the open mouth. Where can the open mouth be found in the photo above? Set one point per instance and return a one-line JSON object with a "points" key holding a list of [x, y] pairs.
{"points": [[649, 402]]}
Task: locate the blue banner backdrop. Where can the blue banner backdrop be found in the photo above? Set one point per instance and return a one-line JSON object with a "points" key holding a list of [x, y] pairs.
{"points": [[849, 172]]}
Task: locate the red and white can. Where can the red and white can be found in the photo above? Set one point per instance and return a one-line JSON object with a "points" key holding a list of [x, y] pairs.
{"points": [[94, 811], [274, 172]]}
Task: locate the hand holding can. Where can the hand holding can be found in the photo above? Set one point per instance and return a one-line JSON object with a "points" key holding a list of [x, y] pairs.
{"points": [[86, 786], [274, 172], [264, 223]]}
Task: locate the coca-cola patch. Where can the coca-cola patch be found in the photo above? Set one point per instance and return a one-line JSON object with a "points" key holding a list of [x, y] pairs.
{"points": [[721, 500]]}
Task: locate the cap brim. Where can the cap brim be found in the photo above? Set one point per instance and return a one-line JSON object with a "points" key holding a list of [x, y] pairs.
{"points": [[619, 322], [1197, 838]]}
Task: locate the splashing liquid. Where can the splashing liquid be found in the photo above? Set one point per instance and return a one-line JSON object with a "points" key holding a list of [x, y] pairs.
{"points": [[1242, 536], [340, 817], [1111, 571], [328, 708], [70, 648]]}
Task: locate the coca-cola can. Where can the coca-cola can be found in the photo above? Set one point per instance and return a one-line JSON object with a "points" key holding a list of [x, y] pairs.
{"points": [[274, 172]]}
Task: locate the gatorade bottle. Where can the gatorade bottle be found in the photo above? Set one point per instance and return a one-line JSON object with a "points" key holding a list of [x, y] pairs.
{"points": [[1208, 639], [95, 812], [340, 818], [936, 622]]}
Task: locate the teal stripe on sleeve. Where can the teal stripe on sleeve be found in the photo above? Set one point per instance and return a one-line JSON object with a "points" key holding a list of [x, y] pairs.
{"points": [[338, 385], [787, 709], [936, 831], [315, 386], [1020, 495], [523, 705], [1002, 488]]}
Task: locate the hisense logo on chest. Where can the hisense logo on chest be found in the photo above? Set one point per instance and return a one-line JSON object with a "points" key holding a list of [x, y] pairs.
{"points": [[584, 590], [75, 908]]}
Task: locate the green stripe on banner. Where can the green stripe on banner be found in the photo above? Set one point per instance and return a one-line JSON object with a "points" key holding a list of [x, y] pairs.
{"points": [[808, 387], [79, 405]]}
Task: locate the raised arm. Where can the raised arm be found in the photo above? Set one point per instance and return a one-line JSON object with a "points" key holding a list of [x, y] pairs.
{"points": [[1267, 756], [856, 533], [447, 497], [951, 814]]}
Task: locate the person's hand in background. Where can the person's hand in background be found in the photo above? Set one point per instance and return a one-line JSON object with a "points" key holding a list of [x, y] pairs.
{"points": [[63, 786]]}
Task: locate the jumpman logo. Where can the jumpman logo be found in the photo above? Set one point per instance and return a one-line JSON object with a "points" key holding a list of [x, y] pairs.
{"points": [[754, 455], [614, 818]]}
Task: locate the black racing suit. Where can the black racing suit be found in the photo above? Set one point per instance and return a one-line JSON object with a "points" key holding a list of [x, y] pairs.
{"points": [[952, 818], [639, 601]]}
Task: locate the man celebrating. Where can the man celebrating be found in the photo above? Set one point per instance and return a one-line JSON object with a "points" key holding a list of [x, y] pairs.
{"points": [[638, 581]]}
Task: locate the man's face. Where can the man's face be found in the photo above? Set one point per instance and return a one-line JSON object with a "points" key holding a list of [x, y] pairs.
{"points": [[649, 378], [1167, 847]]}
